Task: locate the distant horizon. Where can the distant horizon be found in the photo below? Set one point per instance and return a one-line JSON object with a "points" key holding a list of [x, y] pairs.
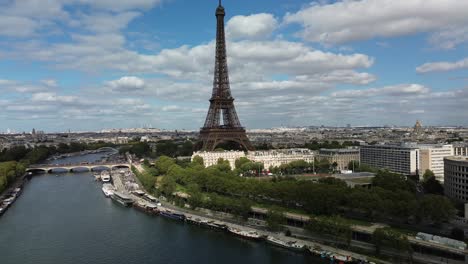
{"points": [[248, 129], [88, 65]]}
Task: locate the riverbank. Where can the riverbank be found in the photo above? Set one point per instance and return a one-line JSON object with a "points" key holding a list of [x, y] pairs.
{"points": [[8, 196], [203, 219], [81, 153]]}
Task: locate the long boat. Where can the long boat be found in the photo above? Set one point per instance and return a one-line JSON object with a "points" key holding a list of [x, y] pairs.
{"points": [[3, 209], [206, 223], [172, 215], [285, 244], [108, 189], [122, 199], [245, 234]]}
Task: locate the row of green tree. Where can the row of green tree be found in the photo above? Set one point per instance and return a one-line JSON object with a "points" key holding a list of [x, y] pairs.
{"points": [[9, 171], [15, 160], [168, 148], [315, 145], [40, 153], [391, 197]]}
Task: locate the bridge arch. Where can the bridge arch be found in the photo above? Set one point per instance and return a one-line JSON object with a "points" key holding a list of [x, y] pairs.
{"points": [[36, 171], [100, 168], [58, 170], [121, 166], [80, 169]]}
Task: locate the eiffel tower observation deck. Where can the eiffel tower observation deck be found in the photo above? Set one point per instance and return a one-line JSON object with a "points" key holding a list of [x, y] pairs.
{"points": [[222, 124]]}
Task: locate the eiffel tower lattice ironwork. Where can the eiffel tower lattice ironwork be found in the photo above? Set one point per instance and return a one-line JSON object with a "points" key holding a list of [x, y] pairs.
{"points": [[222, 123]]}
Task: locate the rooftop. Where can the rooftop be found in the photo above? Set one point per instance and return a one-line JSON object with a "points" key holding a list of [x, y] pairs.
{"points": [[457, 158]]}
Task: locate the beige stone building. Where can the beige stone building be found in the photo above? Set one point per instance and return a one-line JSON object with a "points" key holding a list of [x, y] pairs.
{"points": [[277, 157], [341, 156], [460, 150], [432, 157], [211, 158], [269, 158]]}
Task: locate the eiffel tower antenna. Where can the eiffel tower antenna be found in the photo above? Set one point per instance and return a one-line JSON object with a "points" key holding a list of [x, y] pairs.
{"points": [[222, 124]]}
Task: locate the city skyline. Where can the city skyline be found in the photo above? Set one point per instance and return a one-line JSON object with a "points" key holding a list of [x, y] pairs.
{"points": [[90, 65]]}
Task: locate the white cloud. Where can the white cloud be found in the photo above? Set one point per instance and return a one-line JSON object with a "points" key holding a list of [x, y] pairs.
{"points": [[120, 5], [450, 38], [26, 18], [14, 26], [50, 82], [52, 97], [442, 66], [251, 27], [393, 90], [4, 82], [127, 83], [346, 21], [106, 23]]}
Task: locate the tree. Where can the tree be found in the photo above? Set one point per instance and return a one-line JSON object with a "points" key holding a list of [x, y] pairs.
{"points": [[390, 238], [163, 164], [196, 196], [436, 208], [241, 161], [433, 186], [275, 220], [458, 234], [168, 185], [223, 165], [392, 181], [334, 226], [427, 175], [322, 166], [334, 165], [197, 160]]}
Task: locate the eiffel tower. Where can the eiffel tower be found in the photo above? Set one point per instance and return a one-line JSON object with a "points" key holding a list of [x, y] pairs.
{"points": [[222, 124]]}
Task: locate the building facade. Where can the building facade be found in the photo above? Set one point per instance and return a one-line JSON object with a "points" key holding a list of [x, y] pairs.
{"points": [[460, 150], [431, 157], [456, 178], [269, 158], [342, 157], [211, 158], [396, 158], [278, 157]]}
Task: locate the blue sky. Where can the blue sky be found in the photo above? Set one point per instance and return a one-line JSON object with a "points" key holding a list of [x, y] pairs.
{"points": [[94, 64]]}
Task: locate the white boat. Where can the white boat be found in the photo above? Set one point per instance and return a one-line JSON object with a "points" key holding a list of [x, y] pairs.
{"points": [[245, 234], [285, 244], [108, 189], [296, 246], [276, 242], [105, 176]]}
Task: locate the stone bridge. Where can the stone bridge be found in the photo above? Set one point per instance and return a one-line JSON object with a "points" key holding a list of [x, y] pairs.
{"points": [[53, 168]]}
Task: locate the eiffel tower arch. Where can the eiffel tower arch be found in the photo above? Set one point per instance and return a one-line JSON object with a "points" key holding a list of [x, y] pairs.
{"points": [[222, 124]]}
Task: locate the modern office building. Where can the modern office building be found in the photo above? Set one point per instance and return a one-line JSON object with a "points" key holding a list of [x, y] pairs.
{"points": [[396, 158], [431, 157], [342, 157], [456, 178]]}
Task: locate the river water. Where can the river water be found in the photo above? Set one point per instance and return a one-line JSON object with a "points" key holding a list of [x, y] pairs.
{"points": [[65, 218]]}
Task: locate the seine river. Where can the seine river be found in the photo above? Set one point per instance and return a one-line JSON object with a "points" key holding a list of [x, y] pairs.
{"points": [[65, 218]]}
